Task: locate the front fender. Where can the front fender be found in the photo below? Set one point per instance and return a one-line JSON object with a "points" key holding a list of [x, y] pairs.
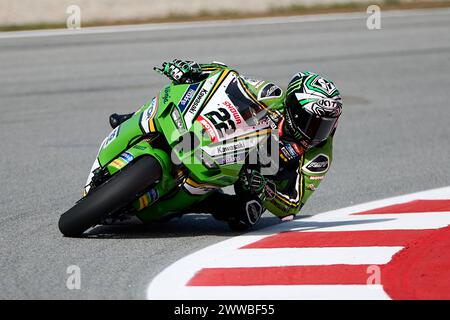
{"points": [[143, 148], [119, 140]]}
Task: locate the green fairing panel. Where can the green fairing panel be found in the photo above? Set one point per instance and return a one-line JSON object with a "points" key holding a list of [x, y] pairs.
{"points": [[225, 174], [119, 139], [257, 87], [166, 197], [165, 207]]}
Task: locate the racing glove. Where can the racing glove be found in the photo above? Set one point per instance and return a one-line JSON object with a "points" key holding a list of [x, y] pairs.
{"points": [[254, 182], [180, 71]]}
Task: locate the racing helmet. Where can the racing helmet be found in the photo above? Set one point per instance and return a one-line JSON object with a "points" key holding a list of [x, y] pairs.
{"points": [[313, 106]]}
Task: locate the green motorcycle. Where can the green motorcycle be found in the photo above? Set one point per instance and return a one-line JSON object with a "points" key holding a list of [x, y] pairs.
{"points": [[188, 141]]}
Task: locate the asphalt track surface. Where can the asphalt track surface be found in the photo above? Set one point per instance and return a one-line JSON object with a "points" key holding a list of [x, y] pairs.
{"points": [[56, 94]]}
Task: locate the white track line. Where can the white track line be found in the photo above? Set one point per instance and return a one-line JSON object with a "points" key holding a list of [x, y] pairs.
{"points": [[299, 256], [221, 23], [410, 221], [171, 283], [296, 292]]}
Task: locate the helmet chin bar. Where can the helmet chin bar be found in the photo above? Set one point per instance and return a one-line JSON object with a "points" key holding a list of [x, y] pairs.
{"points": [[293, 135], [308, 127]]}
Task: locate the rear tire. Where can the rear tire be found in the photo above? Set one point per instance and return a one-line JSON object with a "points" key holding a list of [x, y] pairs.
{"points": [[124, 187]]}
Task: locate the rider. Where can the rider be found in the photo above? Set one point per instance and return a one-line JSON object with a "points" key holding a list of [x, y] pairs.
{"points": [[306, 117]]}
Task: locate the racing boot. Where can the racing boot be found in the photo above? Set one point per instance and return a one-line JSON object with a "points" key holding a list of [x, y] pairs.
{"points": [[117, 119], [247, 218], [241, 212]]}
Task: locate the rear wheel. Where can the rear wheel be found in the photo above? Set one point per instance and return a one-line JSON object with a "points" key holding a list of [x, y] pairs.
{"points": [[123, 188]]}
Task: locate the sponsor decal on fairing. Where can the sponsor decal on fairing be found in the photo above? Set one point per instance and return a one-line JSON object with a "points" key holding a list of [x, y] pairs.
{"points": [[127, 157], [198, 188], [253, 82], [233, 145], [166, 94], [319, 164], [148, 115], [113, 135], [231, 158], [209, 128], [192, 110], [188, 95], [270, 91], [234, 112], [148, 199]]}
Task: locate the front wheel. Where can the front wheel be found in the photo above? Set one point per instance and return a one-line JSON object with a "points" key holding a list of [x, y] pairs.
{"points": [[123, 188]]}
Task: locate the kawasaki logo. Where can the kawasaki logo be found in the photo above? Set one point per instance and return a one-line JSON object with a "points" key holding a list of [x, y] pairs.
{"points": [[196, 102], [224, 149]]}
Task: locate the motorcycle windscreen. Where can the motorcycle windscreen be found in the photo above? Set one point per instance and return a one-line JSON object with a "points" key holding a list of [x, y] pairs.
{"points": [[231, 112], [234, 122], [250, 111]]}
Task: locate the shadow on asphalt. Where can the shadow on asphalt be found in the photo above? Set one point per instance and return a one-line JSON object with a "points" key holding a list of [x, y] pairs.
{"points": [[317, 225], [205, 225], [187, 226]]}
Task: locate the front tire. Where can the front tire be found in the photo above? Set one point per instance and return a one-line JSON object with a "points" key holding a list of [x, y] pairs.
{"points": [[123, 188]]}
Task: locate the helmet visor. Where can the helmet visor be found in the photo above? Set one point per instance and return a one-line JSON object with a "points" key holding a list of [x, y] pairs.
{"points": [[314, 127]]}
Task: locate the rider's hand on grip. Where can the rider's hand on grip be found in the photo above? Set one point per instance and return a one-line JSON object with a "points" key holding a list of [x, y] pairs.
{"points": [[252, 181], [180, 71]]}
